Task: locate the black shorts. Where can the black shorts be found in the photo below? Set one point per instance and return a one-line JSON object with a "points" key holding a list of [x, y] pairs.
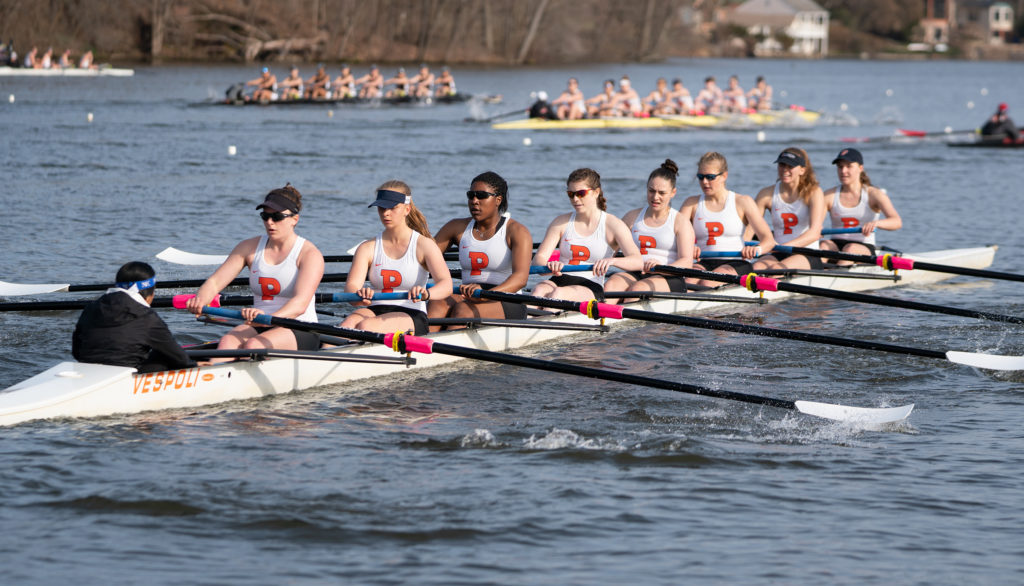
{"points": [[511, 309], [570, 280], [815, 261], [303, 340], [675, 284], [742, 267], [419, 318], [841, 244]]}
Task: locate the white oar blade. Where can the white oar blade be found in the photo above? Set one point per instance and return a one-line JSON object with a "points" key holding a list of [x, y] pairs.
{"points": [[860, 416], [987, 361], [180, 257], [15, 289], [353, 249]]}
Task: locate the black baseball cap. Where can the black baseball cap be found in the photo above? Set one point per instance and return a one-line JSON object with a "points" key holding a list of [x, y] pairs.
{"points": [[276, 201], [851, 155], [791, 159]]}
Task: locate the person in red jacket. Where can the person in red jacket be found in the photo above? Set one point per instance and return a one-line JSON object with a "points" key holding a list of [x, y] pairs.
{"points": [[121, 329]]}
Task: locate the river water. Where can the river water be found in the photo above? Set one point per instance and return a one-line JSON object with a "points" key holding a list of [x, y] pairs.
{"points": [[480, 474]]}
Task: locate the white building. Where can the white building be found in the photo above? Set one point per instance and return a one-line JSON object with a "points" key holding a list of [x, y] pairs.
{"points": [[803, 21]]}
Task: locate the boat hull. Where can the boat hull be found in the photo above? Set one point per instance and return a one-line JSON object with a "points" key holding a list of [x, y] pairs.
{"points": [[72, 389], [787, 118], [69, 72]]}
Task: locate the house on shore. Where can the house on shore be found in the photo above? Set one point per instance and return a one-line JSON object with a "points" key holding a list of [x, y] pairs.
{"points": [[784, 27], [990, 21]]}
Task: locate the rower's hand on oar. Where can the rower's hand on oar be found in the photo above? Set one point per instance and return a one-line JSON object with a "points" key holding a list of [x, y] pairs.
{"points": [[555, 267], [601, 266], [196, 303], [419, 293], [751, 252], [650, 263], [366, 294], [468, 290], [250, 313], [696, 253], [868, 228]]}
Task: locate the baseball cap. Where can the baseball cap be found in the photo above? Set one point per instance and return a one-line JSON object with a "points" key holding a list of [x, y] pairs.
{"points": [[276, 201], [791, 159], [851, 155]]}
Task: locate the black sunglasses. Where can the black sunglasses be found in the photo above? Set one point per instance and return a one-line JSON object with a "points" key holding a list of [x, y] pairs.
{"points": [[276, 216], [479, 194], [708, 176]]}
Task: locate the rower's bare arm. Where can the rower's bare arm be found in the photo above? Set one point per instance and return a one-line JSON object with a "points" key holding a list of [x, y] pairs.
{"points": [[550, 241], [520, 241], [817, 221], [450, 233], [430, 257], [360, 267], [880, 202], [684, 242], [232, 266], [620, 237], [749, 214], [763, 201], [310, 266]]}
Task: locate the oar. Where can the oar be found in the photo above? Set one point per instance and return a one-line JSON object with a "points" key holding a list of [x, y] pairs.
{"points": [[755, 283], [180, 257], [890, 262], [595, 310], [827, 231], [17, 289], [905, 133], [497, 116], [868, 417], [179, 301]]}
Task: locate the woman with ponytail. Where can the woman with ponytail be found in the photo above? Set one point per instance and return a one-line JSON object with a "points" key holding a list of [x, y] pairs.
{"points": [[855, 203], [587, 235], [797, 210], [398, 259], [494, 252], [284, 272], [662, 234]]}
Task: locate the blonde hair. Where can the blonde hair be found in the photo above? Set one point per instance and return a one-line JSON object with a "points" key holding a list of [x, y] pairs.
{"points": [[808, 181], [415, 220], [713, 157]]}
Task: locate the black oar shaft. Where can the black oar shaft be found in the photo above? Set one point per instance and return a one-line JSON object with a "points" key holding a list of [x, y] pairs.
{"points": [[918, 265]]}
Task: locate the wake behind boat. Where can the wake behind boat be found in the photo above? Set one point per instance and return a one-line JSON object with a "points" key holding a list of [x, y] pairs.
{"points": [[71, 389]]}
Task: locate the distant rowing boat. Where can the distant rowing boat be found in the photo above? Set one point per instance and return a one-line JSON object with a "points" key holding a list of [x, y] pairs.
{"points": [[458, 98], [73, 389], [69, 72], [997, 143], [776, 118]]}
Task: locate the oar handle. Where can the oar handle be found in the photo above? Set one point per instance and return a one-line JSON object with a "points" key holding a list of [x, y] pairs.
{"points": [[826, 231], [543, 269], [377, 296]]}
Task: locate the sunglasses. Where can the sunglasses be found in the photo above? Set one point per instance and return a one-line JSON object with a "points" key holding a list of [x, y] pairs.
{"points": [[577, 193], [479, 194], [708, 176], [276, 216]]}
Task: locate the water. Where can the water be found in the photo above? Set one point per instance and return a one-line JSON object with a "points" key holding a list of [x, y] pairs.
{"points": [[446, 476]]}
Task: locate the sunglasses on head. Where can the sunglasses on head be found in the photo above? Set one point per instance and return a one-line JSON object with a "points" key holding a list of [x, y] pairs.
{"points": [[479, 194], [276, 216], [578, 193], [708, 176]]}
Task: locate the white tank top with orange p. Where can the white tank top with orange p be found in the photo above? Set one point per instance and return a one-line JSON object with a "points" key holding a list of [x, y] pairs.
{"points": [[398, 274], [718, 231], [790, 220], [656, 243], [574, 249], [485, 261], [858, 215], [274, 285]]}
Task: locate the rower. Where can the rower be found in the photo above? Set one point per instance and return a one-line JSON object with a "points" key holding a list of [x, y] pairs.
{"points": [[494, 251], [569, 105], [796, 207], [86, 62], [680, 100], [854, 203], [398, 259], [663, 235], [760, 96], [284, 272], [318, 85], [423, 82], [291, 86], [401, 82], [719, 217], [444, 84], [587, 235], [371, 85], [344, 85], [602, 104], [627, 101], [655, 100], [734, 99], [1000, 126], [266, 86], [121, 329], [709, 100]]}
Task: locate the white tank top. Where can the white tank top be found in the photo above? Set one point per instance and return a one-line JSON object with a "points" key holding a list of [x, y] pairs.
{"points": [[574, 249], [274, 285], [790, 220], [485, 261], [398, 274], [656, 243], [858, 215], [718, 231]]}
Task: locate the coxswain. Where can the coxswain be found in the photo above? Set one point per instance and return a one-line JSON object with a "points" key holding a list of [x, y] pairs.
{"points": [[662, 234], [371, 85], [760, 96], [318, 85], [291, 86], [570, 105], [401, 82], [494, 252], [121, 329], [423, 82], [541, 108], [587, 235], [856, 203], [796, 207], [344, 86], [284, 271], [719, 217], [444, 85], [265, 86], [1000, 126], [399, 259]]}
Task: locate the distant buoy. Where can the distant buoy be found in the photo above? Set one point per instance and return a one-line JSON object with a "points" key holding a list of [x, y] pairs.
{"points": [[527, 141], [330, 113], [232, 151], [888, 93], [760, 136], [984, 91], [948, 129], [843, 106], [10, 98], [970, 105], [89, 116]]}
